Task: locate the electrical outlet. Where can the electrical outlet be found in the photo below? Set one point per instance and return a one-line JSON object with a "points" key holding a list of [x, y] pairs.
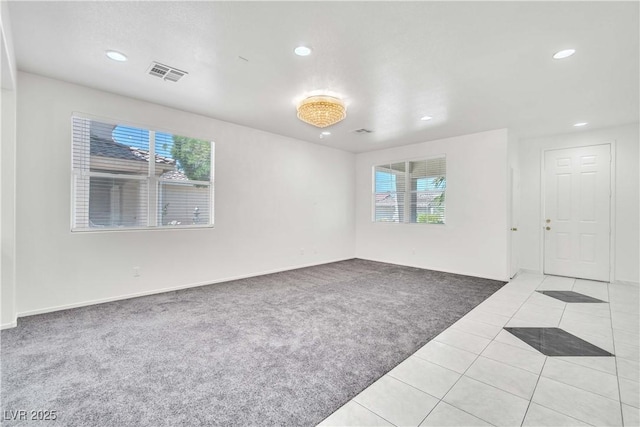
{"points": [[136, 271]]}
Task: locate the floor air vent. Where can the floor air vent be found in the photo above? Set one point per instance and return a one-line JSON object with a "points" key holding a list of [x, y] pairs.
{"points": [[166, 72]]}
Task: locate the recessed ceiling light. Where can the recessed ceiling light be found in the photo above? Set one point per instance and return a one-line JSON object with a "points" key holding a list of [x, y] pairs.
{"points": [[564, 54], [581, 124], [302, 51], [116, 56], [326, 133], [426, 118]]}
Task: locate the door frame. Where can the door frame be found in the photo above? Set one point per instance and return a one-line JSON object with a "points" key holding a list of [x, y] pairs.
{"points": [[612, 201], [514, 188]]}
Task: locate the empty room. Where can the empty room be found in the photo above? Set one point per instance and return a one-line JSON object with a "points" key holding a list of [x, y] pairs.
{"points": [[319, 213]]}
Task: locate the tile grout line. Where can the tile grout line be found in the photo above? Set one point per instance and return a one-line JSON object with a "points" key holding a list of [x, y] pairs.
{"points": [[615, 359], [563, 311], [475, 379], [455, 407], [442, 399], [455, 346], [411, 385], [562, 315], [377, 415], [584, 366], [534, 391], [471, 333], [496, 387], [476, 321], [438, 399], [442, 366], [486, 357], [580, 388], [501, 328], [565, 415], [454, 384], [513, 366]]}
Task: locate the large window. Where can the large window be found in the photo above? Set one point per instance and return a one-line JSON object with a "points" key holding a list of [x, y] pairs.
{"points": [[410, 191], [116, 186]]}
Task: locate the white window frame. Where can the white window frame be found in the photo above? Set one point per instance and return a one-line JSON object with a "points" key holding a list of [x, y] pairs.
{"points": [[407, 192], [153, 182]]}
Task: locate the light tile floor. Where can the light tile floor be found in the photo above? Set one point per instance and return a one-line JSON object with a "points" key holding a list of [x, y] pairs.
{"points": [[477, 374]]}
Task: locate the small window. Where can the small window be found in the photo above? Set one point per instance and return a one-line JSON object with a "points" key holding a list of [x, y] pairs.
{"points": [[410, 191], [115, 186]]}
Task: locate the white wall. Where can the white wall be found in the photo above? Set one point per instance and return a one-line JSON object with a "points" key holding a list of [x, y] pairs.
{"points": [[7, 209], [474, 240], [7, 56], [626, 198], [513, 203], [274, 196], [7, 171]]}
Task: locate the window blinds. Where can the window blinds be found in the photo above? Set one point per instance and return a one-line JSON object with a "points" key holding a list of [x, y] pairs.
{"points": [[115, 185], [390, 192], [410, 191]]}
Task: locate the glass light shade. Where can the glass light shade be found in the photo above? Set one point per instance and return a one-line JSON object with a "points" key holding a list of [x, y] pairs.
{"points": [[321, 111]]}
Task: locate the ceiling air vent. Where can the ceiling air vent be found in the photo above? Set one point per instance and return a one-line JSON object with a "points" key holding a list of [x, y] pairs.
{"points": [[166, 72], [363, 130]]}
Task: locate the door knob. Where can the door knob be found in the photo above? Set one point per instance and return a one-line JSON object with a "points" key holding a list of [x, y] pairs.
{"points": [[548, 228], [514, 229]]}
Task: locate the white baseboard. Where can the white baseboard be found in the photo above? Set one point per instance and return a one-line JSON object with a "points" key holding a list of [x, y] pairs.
{"points": [[9, 325], [163, 290], [628, 282], [463, 273], [529, 271]]}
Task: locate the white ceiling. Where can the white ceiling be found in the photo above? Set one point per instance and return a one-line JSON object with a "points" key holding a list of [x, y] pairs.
{"points": [[472, 66]]}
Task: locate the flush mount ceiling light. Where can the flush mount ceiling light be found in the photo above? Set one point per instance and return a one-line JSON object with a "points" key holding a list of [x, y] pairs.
{"points": [[321, 110], [302, 51], [564, 54], [116, 56], [580, 124]]}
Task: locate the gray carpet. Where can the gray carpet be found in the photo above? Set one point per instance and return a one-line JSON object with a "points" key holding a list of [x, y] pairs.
{"points": [[281, 349]]}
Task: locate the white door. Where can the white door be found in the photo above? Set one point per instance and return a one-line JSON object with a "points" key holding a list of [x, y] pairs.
{"points": [[577, 212], [515, 219]]}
